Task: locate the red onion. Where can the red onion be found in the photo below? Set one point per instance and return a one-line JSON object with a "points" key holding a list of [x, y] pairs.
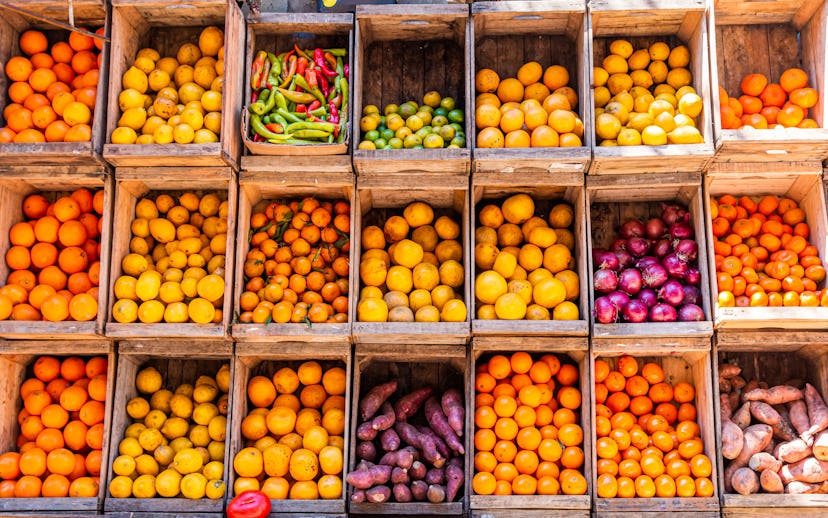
{"points": [[675, 267], [596, 253], [671, 292], [607, 260], [605, 311], [687, 250], [605, 281], [636, 311], [618, 244], [632, 228], [663, 313], [654, 275], [672, 214], [648, 296], [638, 246], [681, 230], [655, 228], [629, 281], [693, 276], [690, 313], [662, 248], [620, 299], [646, 261], [692, 295]]}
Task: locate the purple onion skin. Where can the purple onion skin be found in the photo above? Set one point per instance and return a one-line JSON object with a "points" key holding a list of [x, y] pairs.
{"points": [[654, 275], [662, 248], [646, 261], [630, 281], [672, 214], [687, 250], [618, 244], [638, 246], [607, 261], [655, 228], [672, 292], [692, 295], [596, 253], [690, 313], [619, 299], [605, 310], [681, 230], [636, 311], [663, 313], [648, 297], [675, 267], [632, 228], [624, 258], [693, 276], [605, 281]]}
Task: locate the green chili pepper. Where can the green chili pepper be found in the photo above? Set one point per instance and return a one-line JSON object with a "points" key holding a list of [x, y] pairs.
{"points": [[337, 52], [321, 126], [291, 71], [343, 86], [334, 88], [310, 133], [261, 108], [281, 102], [314, 92], [278, 119], [297, 97], [291, 117], [340, 69], [259, 127], [273, 78]]}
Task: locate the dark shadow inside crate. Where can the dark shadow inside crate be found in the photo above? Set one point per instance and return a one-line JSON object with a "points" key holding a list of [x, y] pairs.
{"points": [[278, 42], [777, 368]]}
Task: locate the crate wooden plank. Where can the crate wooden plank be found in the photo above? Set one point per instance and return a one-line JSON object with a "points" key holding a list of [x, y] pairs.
{"points": [[89, 13], [256, 190], [772, 37], [404, 38], [254, 359], [16, 359], [53, 182], [552, 33], [546, 192], [165, 25], [610, 201], [178, 361], [413, 367], [135, 183], [643, 22], [806, 188], [694, 367], [572, 351], [379, 195]]}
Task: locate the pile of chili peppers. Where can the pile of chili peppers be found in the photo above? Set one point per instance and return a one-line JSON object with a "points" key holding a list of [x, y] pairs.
{"points": [[299, 97]]}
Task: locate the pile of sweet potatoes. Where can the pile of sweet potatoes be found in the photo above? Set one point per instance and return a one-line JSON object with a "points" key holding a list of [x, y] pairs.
{"points": [[774, 439], [410, 448]]}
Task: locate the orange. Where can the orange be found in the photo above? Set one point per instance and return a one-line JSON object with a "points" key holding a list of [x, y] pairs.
{"points": [[483, 483], [28, 486], [486, 80], [627, 365], [792, 79], [499, 367], [46, 368], [572, 457], [567, 375], [64, 73], [524, 485], [83, 62], [18, 68], [753, 84], [80, 41], [61, 101], [512, 120], [684, 392], [20, 120], [790, 115], [505, 451], [510, 90], [77, 113]]}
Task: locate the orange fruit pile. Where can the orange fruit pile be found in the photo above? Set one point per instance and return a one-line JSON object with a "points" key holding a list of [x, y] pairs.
{"points": [[527, 439], [648, 443], [61, 437], [294, 440], [54, 259], [763, 256], [297, 263], [52, 91], [764, 104]]}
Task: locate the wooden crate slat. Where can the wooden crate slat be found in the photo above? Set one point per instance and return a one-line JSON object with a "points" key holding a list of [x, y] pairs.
{"points": [[796, 12]]}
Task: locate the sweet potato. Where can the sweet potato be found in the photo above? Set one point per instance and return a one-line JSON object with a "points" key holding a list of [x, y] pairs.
{"points": [[435, 476], [400, 458], [438, 422], [728, 370], [741, 417], [422, 442], [792, 451], [774, 396], [817, 413], [724, 385], [365, 478], [436, 494], [374, 399], [384, 420], [455, 478], [798, 414], [366, 432], [770, 481], [807, 470], [771, 446], [419, 490], [364, 464], [762, 461], [399, 476], [389, 440], [366, 450], [358, 496], [820, 447], [734, 399], [408, 405], [725, 410], [751, 385], [764, 413], [417, 471], [452, 405], [737, 383], [756, 439], [745, 481], [402, 493], [732, 436], [378, 494], [801, 488], [439, 443], [783, 430]]}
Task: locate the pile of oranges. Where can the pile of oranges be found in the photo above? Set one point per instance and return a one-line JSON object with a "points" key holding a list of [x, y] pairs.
{"points": [[764, 104], [648, 443], [527, 438], [54, 259], [61, 431], [533, 110], [52, 91], [763, 257], [297, 265], [294, 438]]}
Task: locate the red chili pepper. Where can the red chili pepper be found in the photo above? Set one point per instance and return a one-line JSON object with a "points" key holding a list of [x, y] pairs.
{"points": [[301, 66], [323, 83], [330, 60], [334, 113], [347, 70], [319, 59], [337, 100], [257, 68], [314, 105], [258, 138], [301, 108], [310, 78], [275, 128], [336, 131]]}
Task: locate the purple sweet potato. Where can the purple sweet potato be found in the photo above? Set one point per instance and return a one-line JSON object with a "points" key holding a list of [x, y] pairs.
{"points": [[439, 443], [400, 458], [455, 478], [792, 451], [378, 494], [366, 450], [366, 432], [809, 470], [385, 419], [402, 493], [770, 481], [436, 494], [389, 440], [358, 496], [774, 396], [745, 481], [741, 417], [762, 461], [410, 435], [419, 490], [728, 370], [364, 464], [435, 476], [374, 399], [798, 414], [437, 419], [399, 476], [365, 478], [817, 413], [417, 471], [764, 413], [452, 405], [408, 405]]}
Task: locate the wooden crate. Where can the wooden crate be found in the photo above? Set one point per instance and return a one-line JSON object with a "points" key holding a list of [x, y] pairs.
{"points": [[131, 185], [534, 506], [276, 33], [413, 367], [378, 196], [568, 187], [54, 182], [610, 201], [772, 37], [178, 361], [87, 13], [508, 34], [257, 189], [803, 186], [800, 355], [16, 358], [254, 359], [402, 52], [165, 25], [693, 365], [643, 23]]}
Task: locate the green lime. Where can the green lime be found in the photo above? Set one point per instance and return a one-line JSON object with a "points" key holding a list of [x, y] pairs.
{"points": [[447, 132], [459, 141], [395, 143], [407, 110], [456, 116], [412, 141], [414, 123], [425, 117], [371, 135], [387, 134], [457, 127], [441, 111], [381, 143], [418, 147], [423, 132]]}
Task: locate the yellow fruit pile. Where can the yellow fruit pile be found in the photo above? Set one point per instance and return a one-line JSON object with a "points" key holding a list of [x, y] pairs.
{"points": [[645, 97], [184, 100], [411, 270], [527, 268], [536, 110], [175, 269], [294, 438], [175, 445]]}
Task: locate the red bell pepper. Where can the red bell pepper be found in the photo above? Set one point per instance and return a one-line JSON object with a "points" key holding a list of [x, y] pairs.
{"points": [[249, 504]]}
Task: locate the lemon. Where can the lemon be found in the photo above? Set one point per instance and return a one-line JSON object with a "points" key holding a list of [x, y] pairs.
{"points": [[123, 465], [679, 77], [607, 126], [212, 121], [211, 287], [489, 286], [211, 101], [192, 118], [213, 470], [134, 430], [549, 292], [167, 65], [199, 436], [168, 483], [163, 134], [155, 419], [205, 136], [187, 461], [685, 135], [204, 393], [175, 427], [510, 306], [170, 292], [130, 446], [629, 137], [147, 286], [150, 439], [148, 380], [679, 57], [135, 79], [690, 104], [621, 48], [372, 310], [217, 428], [216, 450], [146, 464], [201, 311], [145, 139], [654, 136], [124, 135], [215, 489], [194, 486], [151, 312], [183, 134], [599, 76], [120, 487]]}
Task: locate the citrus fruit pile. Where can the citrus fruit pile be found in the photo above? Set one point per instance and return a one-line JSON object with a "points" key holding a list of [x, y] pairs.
{"points": [[436, 123], [411, 270], [645, 96], [527, 268], [763, 256], [527, 438], [52, 90], [533, 110], [764, 104], [297, 265], [647, 441], [61, 430], [54, 259], [175, 269], [174, 99], [294, 439]]}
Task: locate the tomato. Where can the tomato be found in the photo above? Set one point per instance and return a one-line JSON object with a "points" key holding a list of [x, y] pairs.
{"points": [[249, 504]]}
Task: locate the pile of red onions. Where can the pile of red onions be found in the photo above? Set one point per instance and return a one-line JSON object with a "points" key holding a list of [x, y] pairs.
{"points": [[650, 273]]}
